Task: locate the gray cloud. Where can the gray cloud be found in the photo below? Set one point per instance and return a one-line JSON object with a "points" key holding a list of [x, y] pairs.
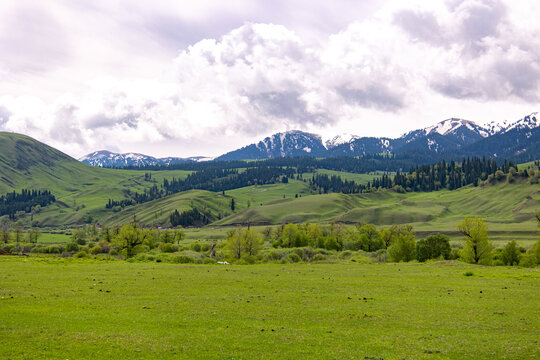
{"points": [[377, 96], [64, 129], [285, 105], [421, 26], [4, 116]]}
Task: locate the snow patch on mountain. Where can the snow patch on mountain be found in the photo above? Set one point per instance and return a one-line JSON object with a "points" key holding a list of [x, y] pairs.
{"points": [[339, 139]]}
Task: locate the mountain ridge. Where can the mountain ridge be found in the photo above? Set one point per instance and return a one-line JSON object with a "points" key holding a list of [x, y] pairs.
{"points": [[450, 136]]}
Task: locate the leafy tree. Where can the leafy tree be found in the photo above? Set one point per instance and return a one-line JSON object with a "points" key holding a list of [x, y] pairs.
{"points": [[232, 204], [403, 247], [79, 236], [315, 235], [18, 233], [267, 233], [106, 234], [432, 247], [289, 234], [5, 233], [387, 235], [33, 235], [167, 236], [477, 245], [234, 242], [252, 242], [179, 236], [129, 237], [510, 254]]}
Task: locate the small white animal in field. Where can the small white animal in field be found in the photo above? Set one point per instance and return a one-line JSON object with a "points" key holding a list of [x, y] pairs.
{"points": [[223, 263]]}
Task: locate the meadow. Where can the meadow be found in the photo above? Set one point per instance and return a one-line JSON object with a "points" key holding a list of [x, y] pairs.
{"points": [[54, 308]]}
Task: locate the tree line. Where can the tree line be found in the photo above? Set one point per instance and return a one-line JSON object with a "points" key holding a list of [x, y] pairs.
{"points": [[13, 202], [442, 175], [211, 179]]}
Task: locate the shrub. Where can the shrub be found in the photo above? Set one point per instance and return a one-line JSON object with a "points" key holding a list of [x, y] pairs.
{"points": [[81, 255], [432, 247], [319, 257], [183, 259], [294, 258], [274, 255], [196, 247], [205, 247], [54, 249], [532, 257], [403, 248], [345, 254], [72, 247], [330, 243], [209, 261], [469, 273], [168, 248], [95, 250], [510, 255]]}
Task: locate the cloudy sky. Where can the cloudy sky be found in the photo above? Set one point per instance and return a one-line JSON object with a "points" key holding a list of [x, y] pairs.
{"points": [[183, 78]]}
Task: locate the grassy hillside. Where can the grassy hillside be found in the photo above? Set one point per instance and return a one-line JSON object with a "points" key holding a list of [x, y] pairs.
{"points": [[218, 205], [508, 208], [81, 190]]}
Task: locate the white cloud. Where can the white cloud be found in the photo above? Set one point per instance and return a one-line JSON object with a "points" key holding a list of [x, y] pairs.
{"points": [[404, 67]]}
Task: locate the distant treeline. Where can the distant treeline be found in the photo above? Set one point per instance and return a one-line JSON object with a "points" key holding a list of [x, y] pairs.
{"points": [[191, 217], [363, 164], [442, 175], [210, 179], [13, 202]]}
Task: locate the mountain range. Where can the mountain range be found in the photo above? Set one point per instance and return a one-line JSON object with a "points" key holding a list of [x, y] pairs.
{"points": [[451, 138], [105, 158]]}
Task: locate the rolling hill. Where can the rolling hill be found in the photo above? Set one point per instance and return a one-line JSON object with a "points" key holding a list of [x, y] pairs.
{"points": [[81, 190]]}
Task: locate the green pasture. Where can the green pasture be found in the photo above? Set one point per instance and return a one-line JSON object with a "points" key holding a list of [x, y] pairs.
{"points": [[54, 308]]}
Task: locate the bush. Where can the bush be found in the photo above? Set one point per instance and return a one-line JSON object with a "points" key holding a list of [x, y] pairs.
{"points": [[95, 250], [432, 247], [209, 261], [294, 258], [183, 259], [196, 247], [532, 257], [345, 254], [54, 249], [469, 273], [168, 248], [510, 255], [319, 257], [274, 255], [72, 247], [403, 248], [81, 255]]}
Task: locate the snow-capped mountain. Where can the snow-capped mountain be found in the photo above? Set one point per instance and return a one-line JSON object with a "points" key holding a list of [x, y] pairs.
{"points": [[286, 144], [106, 158], [449, 138], [339, 139]]}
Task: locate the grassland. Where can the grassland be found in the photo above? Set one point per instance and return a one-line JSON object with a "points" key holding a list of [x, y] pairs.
{"points": [[357, 178], [508, 208], [81, 190], [54, 308]]}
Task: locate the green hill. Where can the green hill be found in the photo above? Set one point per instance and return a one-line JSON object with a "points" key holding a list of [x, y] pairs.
{"points": [[81, 190], [508, 207]]}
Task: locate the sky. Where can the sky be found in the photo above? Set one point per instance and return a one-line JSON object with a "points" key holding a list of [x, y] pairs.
{"points": [[201, 78]]}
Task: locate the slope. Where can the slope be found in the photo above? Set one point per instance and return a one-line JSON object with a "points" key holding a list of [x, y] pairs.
{"points": [[81, 190], [508, 207]]}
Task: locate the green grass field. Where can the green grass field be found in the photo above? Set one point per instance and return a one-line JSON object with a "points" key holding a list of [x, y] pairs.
{"points": [[53, 308]]}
